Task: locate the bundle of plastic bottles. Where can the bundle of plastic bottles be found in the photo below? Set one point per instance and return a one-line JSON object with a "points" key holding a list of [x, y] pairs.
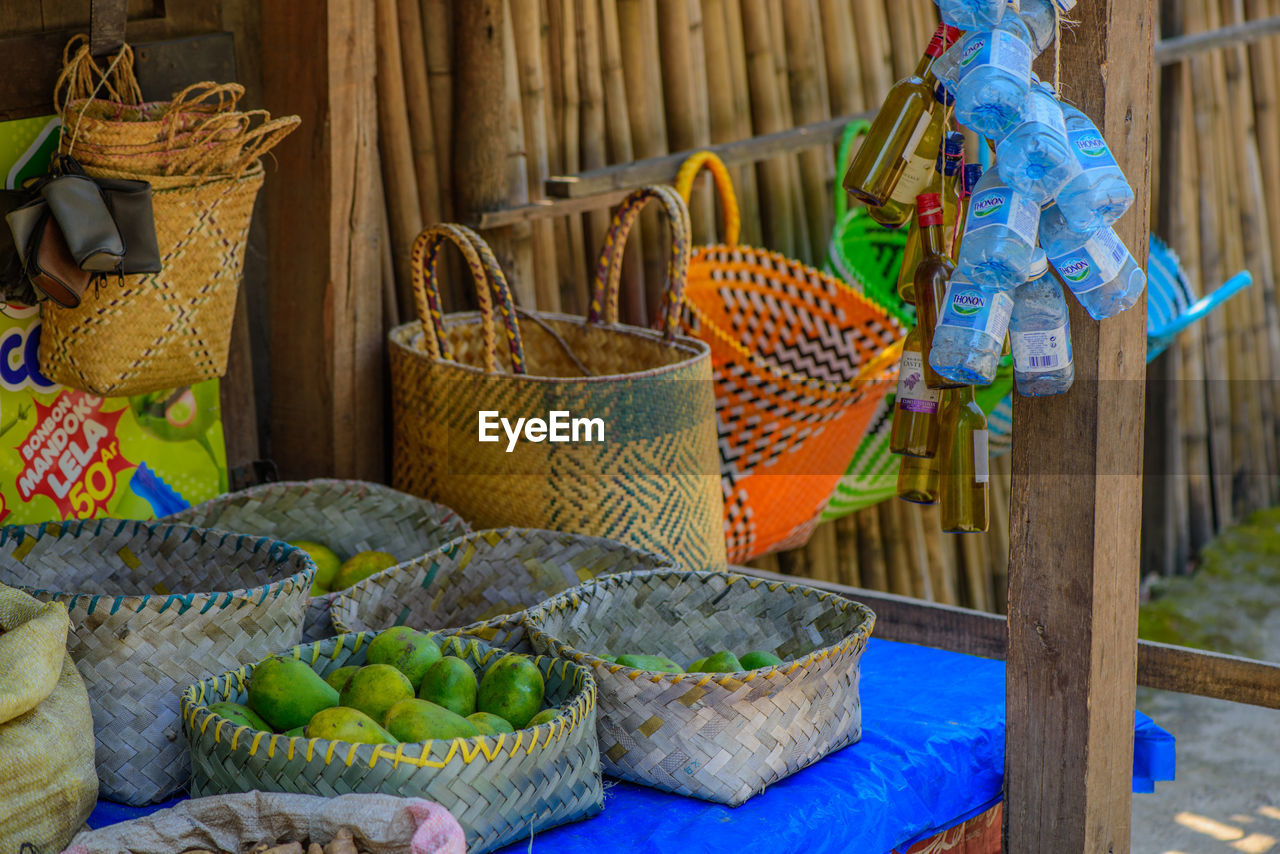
{"points": [[1048, 204]]}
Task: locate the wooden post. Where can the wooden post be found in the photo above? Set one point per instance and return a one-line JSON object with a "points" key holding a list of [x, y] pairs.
{"points": [[324, 204], [1076, 507]]}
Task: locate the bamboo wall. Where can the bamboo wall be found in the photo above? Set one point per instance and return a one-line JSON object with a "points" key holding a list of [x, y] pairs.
{"points": [[586, 83]]}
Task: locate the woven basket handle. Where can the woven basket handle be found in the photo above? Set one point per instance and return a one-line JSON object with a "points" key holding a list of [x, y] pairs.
{"points": [[198, 97], [852, 131], [724, 188], [85, 80], [485, 270], [604, 298], [250, 145]]}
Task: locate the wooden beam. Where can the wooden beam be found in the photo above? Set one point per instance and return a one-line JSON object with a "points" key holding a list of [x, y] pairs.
{"points": [[1172, 50], [324, 201], [1160, 666], [1076, 507]]}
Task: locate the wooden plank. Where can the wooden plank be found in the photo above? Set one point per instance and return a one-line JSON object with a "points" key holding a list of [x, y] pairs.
{"points": [[964, 630], [324, 200], [1076, 508], [106, 26]]}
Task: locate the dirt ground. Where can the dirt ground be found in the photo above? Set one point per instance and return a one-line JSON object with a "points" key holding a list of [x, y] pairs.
{"points": [[1226, 798]]}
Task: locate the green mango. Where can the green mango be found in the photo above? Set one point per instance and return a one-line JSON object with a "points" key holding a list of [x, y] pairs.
{"points": [[339, 678], [451, 683], [287, 693], [326, 561], [512, 689], [374, 689], [344, 724], [411, 652], [654, 663], [545, 716], [759, 658], [490, 724], [696, 667], [296, 732], [240, 715], [722, 662], [414, 720], [360, 566]]}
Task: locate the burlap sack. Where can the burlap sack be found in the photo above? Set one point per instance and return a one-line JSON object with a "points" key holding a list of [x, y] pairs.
{"points": [[381, 824], [47, 780]]}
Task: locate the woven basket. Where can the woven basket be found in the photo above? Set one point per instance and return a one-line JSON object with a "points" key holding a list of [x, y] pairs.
{"points": [[500, 789], [722, 737], [348, 516], [801, 361], [650, 484], [140, 632], [485, 580]]}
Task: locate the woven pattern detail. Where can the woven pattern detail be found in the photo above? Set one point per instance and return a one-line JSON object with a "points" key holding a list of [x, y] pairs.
{"points": [[790, 346], [349, 516], [722, 737], [500, 789], [167, 329], [484, 579], [140, 634]]}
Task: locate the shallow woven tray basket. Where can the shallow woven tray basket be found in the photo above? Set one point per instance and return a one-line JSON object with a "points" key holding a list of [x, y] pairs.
{"points": [[348, 516], [500, 789], [482, 581], [140, 634], [722, 737]]}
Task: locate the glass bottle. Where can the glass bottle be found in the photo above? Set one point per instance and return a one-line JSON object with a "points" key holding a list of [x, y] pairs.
{"points": [[932, 275], [895, 134], [915, 414], [950, 185], [964, 481], [918, 479], [910, 260], [922, 174]]}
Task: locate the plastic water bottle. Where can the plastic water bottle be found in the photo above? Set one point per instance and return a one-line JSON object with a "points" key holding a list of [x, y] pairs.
{"points": [[971, 14], [1041, 21], [992, 76], [1099, 194], [999, 234], [1096, 265], [1034, 156], [1040, 332], [969, 337]]}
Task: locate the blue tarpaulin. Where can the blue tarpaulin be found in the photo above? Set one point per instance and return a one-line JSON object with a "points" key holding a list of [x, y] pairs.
{"points": [[931, 756]]}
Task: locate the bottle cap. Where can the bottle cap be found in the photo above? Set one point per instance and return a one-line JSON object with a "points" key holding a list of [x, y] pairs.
{"points": [[972, 175], [943, 97], [943, 38], [1039, 265], [929, 209]]}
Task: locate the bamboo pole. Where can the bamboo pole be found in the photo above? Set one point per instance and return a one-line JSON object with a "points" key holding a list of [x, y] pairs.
{"points": [[396, 147], [748, 178], [937, 555], [681, 80], [766, 111], [526, 22], [871, 550], [977, 571], [806, 73], [844, 75], [846, 528], [821, 554], [513, 245], [592, 124], [897, 557], [621, 150], [778, 49], [902, 36], [925, 584], [418, 97], [874, 47], [437, 29], [999, 546]]}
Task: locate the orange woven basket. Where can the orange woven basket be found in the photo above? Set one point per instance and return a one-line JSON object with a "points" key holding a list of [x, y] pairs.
{"points": [[801, 361]]}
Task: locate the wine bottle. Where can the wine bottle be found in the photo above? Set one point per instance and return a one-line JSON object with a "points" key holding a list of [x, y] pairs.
{"points": [[964, 482]]}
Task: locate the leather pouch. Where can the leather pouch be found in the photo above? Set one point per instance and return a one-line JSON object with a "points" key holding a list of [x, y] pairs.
{"points": [[45, 256], [130, 204], [92, 236]]}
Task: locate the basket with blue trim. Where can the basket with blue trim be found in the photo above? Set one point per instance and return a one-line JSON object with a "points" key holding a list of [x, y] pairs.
{"points": [[500, 788]]}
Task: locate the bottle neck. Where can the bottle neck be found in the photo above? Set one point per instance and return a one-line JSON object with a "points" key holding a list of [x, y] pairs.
{"points": [[932, 240], [943, 38]]}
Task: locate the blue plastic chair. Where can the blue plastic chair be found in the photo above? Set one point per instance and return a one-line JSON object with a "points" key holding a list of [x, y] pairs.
{"points": [[1171, 308]]}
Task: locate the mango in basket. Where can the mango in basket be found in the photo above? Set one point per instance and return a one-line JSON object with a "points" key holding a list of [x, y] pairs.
{"points": [[286, 693], [512, 689], [419, 720], [343, 724], [650, 662], [339, 678], [490, 724], [545, 716], [327, 564], [758, 658], [408, 651], [696, 666], [721, 662], [296, 732], [374, 689], [360, 566], [450, 683], [240, 715]]}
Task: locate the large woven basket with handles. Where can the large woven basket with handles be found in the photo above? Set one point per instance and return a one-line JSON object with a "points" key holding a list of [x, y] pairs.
{"points": [[801, 361], [348, 516], [483, 581], [646, 476], [499, 788], [723, 736], [153, 607]]}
